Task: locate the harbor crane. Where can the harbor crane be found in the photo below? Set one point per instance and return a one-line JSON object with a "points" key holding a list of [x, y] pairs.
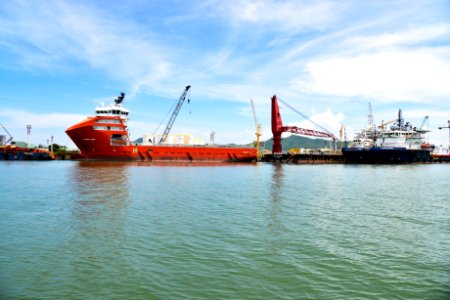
{"points": [[174, 115], [423, 122], [10, 136], [278, 128], [258, 129], [448, 126]]}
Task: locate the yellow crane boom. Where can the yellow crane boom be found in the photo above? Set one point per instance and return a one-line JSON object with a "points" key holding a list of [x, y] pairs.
{"points": [[258, 129], [383, 124]]}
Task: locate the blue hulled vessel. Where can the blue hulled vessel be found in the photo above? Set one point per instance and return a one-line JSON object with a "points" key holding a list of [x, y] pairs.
{"points": [[400, 143]]}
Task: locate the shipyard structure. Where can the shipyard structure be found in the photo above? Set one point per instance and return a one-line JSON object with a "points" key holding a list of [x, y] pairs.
{"points": [[398, 143]]}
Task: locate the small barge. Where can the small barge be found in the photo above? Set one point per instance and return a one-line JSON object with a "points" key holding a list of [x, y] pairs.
{"points": [[13, 152]]}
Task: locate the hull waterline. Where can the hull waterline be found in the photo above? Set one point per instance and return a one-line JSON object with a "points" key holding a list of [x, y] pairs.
{"points": [[97, 140], [385, 156]]}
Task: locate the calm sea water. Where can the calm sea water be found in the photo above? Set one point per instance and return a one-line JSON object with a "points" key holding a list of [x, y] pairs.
{"points": [[99, 230]]}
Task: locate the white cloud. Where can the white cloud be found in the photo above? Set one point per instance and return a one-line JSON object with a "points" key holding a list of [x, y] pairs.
{"points": [[19, 119], [326, 119], [281, 16], [407, 65], [43, 126], [413, 35], [420, 75], [54, 35]]}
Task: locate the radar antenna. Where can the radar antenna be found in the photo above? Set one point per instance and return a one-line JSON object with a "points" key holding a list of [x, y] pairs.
{"points": [[119, 99]]}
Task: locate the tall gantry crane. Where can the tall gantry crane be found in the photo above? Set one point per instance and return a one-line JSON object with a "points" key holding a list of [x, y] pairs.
{"points": [[174, 115], [258, 129]]}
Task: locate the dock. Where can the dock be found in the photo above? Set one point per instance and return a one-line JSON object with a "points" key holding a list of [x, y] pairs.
{"points": [[305, 158], [329, 158]]}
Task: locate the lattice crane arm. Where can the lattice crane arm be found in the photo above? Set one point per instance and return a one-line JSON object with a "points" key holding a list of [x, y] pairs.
{"points": [[308, 132], [174, 115], [423, 122]]}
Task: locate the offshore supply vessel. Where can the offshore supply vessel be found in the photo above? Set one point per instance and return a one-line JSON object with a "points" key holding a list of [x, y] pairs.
{"points": [[105, 136], [400, 143]]}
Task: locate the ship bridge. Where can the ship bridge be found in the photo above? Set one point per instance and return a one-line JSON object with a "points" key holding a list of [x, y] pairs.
{"points": [[113, 110]]}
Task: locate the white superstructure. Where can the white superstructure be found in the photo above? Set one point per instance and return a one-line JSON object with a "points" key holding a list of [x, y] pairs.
{"points": [[114, 109], [399, 135], [172, 139]]}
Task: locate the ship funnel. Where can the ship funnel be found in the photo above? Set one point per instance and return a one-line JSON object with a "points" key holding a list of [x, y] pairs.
{"points": [[400, 119]]}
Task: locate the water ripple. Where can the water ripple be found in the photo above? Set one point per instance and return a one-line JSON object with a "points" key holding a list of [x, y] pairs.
{"points": [[150, 231]]}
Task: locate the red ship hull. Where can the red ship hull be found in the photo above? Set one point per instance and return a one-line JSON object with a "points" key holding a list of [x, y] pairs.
{"points": [[106, 138]]}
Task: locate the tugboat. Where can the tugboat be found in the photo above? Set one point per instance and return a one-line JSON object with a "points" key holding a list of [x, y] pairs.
{"points": [[401, 143], [105, 137]]}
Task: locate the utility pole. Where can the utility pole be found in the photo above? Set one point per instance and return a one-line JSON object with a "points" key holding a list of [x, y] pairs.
{"points": [[448, 126], [51, 145], [28, 135], [211, 137]]}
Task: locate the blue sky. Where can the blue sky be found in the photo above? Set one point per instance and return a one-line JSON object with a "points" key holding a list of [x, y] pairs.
{"points": [[328, 59]]}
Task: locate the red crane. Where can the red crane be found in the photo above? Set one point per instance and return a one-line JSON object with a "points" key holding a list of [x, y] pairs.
{"points": [[278, 128]]}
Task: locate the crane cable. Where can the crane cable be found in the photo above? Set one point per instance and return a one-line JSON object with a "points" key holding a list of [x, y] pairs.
{"points": [[172, 109], [189, 100], [306, 117]]}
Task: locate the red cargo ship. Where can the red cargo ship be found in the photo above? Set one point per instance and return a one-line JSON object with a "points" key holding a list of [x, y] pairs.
{"points": [[105, 137]]}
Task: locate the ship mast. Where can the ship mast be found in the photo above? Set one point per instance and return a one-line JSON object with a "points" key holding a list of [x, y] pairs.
{"points": [[371, 125], [370, 115]]}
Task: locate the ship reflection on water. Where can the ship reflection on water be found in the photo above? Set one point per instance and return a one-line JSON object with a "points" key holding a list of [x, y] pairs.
{"points": [[101, 188], [96, 229], [274, 210]]}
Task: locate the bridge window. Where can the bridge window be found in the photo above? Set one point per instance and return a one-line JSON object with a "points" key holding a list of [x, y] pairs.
{"points": [[100, 128], [106, 121], [119, 140]]}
